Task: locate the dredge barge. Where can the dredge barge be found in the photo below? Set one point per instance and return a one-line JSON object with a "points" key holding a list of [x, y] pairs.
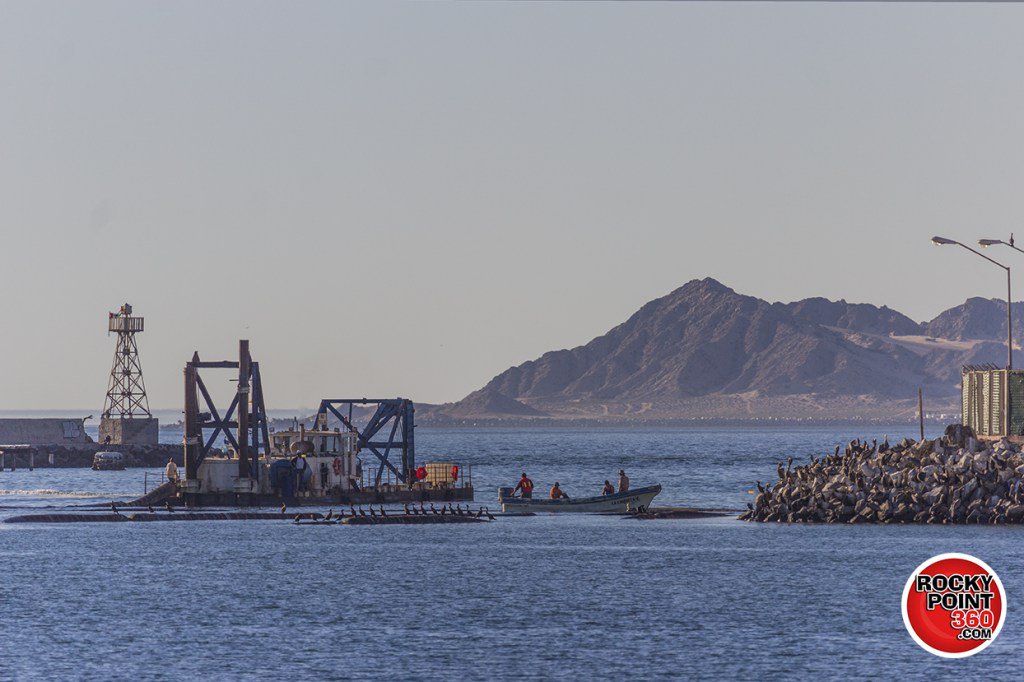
{"points": [[329, 463]]}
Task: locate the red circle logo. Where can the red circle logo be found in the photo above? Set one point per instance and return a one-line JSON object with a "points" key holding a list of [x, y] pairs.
{"points": [[954, 605]]}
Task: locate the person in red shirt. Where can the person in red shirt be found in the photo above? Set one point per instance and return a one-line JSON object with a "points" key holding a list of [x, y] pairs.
{"points": [[525, 485]]}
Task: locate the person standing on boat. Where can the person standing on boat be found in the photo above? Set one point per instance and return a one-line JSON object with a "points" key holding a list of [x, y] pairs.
{"points": [[623, 481], [526, 485], [557, 493], [608, 489]]}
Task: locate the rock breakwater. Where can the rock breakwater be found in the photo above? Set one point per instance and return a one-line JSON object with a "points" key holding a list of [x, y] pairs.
{"points": [[952, 479]]}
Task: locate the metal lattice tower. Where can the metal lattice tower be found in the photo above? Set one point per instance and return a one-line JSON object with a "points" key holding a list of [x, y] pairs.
{"points": [[126, 393]]}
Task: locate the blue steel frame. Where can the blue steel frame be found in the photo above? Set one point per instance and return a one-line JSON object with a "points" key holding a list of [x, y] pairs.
{"points": [[398, 411], [259, 433]]}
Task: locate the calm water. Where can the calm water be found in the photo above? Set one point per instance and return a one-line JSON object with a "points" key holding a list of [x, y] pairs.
{"points": [[573, 597]]}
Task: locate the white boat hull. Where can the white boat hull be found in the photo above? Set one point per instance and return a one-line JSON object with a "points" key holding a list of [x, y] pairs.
{"points": [[618, 503]]}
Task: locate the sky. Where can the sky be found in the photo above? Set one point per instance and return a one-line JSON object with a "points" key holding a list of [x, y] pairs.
{"points": [[408, 198]]}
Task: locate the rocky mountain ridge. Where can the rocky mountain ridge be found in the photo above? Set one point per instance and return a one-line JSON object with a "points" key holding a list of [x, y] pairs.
{"points": [[706, 351]]}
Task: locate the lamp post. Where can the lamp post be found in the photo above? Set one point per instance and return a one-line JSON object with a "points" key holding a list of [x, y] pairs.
{"points": [[942, 241]]}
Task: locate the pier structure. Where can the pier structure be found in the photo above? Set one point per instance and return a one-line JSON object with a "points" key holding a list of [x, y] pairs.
{"points": [[126, 419]]}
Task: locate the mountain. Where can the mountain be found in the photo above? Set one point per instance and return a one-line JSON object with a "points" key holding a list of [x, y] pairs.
{"points": [[705, 350], [977, 318], [856, 316]]}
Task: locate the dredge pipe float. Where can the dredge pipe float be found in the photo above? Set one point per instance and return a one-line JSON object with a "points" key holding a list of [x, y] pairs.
{"points": [[157, 516]]}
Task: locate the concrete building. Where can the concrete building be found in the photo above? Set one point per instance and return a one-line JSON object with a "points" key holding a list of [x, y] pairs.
{"points": [[134, 431], [43, 432]]}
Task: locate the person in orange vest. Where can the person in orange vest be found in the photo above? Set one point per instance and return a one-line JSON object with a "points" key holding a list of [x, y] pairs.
{"points": [[526, 485], [557, 493]]}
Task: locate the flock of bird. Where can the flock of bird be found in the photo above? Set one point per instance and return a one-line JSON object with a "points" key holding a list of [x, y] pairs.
{"points": [[953, 479], [380, 512], [167, 506], [410, 511]]}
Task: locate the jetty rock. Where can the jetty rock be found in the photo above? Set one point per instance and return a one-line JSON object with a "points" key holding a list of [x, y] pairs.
{"points": [[952, 479]]}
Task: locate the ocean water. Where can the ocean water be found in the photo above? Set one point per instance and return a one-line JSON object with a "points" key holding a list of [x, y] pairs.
{"points": [[549, 596]]}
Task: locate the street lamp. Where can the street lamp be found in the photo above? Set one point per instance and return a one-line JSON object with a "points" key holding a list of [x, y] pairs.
{"points": [[993, 242], [942, 241]]}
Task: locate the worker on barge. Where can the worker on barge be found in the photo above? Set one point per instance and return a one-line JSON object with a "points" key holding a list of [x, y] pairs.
{"points": [[525, 485], [172, 471]]}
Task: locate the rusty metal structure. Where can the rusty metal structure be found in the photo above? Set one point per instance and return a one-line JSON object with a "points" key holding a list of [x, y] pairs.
{"points": [[126, 391], [398, 412], [246, 415]]}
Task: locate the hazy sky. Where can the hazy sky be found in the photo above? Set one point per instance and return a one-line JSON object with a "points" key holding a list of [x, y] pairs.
{"points": [[407, 198]]}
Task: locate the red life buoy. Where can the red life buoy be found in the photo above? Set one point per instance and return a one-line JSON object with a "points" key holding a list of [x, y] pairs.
{"points": [[337, 466], [455, 472], [421, 473]]}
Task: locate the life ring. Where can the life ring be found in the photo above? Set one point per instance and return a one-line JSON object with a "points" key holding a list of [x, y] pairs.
{"points": [[337, 466], [421, 473], [455, 472]]}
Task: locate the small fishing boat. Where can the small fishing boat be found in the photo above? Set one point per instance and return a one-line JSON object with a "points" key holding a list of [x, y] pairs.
{"points": [[620, 503], [109, 461]]}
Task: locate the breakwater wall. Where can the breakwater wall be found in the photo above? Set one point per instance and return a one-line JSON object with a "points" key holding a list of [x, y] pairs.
{"points": [[67, 456], [955, 479]]}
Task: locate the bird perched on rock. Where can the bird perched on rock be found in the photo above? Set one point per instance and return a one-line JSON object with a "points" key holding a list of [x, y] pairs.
{"points": [[362, 512], [167, 506], [330, 515], [284, 508], [113, 508], [372, 513], [382, 512], [298, 517], [352, 509], [151, 510], [433, 509], [406, 507]]}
